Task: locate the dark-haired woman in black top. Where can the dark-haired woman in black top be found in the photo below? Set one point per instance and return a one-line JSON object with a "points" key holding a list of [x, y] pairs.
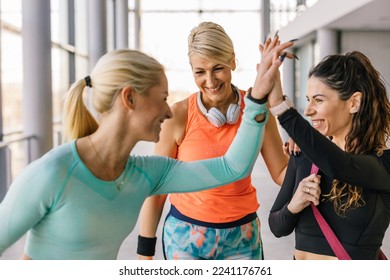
{"points": [[350, 125]]}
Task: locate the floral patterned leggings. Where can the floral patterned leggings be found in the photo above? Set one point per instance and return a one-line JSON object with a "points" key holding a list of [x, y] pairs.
{"points": [[186, 241]]}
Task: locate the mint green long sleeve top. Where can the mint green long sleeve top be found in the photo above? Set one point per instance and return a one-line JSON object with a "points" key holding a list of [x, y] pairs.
{"points": [[68, 213]]}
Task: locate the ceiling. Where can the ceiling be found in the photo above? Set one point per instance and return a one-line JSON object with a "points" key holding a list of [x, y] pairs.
{"points": [[373, 16], [359, 15]]}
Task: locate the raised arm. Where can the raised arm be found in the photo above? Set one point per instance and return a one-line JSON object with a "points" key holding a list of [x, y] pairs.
{"points": [[332, 160], [241, 156], [236, 164], [272, 151]]}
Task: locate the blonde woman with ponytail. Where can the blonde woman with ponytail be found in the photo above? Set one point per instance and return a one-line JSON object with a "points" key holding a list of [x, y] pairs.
{"points": [[82, 198]]}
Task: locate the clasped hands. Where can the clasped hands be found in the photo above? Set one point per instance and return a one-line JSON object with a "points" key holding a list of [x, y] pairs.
{"points": [[267, 82]]}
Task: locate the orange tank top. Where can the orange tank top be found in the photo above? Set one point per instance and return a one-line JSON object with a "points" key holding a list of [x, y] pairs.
{"points": [[202, 140]]}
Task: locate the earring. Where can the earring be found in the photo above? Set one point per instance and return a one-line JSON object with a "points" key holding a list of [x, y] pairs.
{"points": [[354, 110]]}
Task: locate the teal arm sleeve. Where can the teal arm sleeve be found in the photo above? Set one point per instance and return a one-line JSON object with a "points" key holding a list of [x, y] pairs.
{"points": [[25, 204], [235, 165]]}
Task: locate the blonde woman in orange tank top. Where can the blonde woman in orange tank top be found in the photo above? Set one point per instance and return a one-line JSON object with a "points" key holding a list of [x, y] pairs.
{"points": [[221, 223]]}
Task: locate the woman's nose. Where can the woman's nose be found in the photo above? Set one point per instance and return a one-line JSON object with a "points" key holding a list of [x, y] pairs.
{"points": [[210, 80], [308, 110]]}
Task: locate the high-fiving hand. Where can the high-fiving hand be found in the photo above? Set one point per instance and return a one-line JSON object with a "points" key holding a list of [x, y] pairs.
{"points": [[272, 55]]}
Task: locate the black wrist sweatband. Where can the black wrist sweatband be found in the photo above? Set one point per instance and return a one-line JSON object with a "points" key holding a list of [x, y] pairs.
{"points": [[258, 101], [146, 246]]}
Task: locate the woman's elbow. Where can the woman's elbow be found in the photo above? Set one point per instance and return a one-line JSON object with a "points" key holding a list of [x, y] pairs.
{"points": [[276, 228]]}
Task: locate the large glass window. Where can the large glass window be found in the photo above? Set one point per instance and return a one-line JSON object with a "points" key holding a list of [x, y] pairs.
{"points": [[11, 65], [11, 86], [284, 11]]}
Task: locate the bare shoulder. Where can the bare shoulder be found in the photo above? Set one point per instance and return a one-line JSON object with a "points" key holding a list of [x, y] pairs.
{"points": [[174, 129], [180, 109]]}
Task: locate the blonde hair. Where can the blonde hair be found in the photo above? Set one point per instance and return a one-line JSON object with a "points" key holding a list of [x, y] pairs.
{"points": [[114, 71], [210, 41]]}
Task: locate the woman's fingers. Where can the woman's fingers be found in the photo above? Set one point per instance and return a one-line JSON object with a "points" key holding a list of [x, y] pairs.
{"points": [[290, 148], [311, 186], [273, 54], [269, 45]]}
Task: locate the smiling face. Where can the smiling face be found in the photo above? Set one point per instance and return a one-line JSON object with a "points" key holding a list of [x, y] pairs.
{"points": [[152, 109], [330, 115], [213, 79]]}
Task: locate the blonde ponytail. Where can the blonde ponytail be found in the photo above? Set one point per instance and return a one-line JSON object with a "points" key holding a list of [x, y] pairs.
{"points": [[78, 121], [114, 71]]}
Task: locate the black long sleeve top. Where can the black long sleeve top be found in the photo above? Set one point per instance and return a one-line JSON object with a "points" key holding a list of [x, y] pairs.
{"points": [[360, 230]]}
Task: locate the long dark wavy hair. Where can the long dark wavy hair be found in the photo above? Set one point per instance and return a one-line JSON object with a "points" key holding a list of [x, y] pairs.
{"points": [[370, 130]]}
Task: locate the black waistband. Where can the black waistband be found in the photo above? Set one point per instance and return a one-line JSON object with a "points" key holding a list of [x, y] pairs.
{"points": [[244, 220]]}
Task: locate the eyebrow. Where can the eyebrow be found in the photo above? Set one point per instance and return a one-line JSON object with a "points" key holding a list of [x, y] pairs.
{"points": [[317, 95], [215, 66]]}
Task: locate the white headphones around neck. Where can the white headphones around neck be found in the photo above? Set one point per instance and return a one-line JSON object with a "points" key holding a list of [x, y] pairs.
{"points": [[215, 117]]}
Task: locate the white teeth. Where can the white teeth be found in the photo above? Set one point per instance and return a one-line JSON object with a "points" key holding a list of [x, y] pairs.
{"points": [[215, 89], [316, 123]]}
